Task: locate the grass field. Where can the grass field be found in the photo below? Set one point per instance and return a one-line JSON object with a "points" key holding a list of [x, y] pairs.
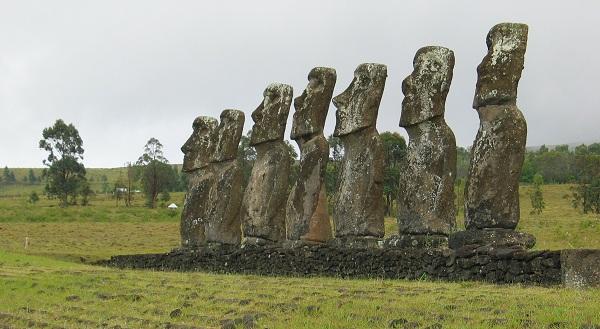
{"points": [[47, 284]]}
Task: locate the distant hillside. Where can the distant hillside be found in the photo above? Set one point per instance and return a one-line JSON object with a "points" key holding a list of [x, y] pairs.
{"points": [[551, 147], [95, 177]]}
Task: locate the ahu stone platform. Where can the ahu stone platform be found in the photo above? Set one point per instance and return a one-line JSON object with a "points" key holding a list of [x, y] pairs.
{"points": [[471, 263]]}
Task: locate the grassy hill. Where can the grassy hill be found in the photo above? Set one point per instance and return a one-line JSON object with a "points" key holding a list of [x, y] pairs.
{"points": [[94, 176], [46, 283]]}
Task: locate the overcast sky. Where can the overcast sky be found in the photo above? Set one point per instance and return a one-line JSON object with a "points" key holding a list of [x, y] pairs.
{"points": [[125, 71]]}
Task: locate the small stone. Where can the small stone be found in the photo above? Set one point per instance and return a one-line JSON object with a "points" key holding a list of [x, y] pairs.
{"points": [[558, 325], [311, 309], [248, 321], [72, 298], [397, 323], [175, 313]]}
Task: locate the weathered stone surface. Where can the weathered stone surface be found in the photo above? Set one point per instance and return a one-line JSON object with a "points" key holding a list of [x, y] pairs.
{"points": [[198, 148], [580, 268], [421, 241], [211, 207], [426, 88], [492, 187], [497, 155], [358, 106], [271, 115], [222, 224], [358, 204], [493, 237], [264, 202], [227, 138], [307, 217], [500, 70], [263, 206], [197, 151], [538, 267], [312, 106], [224, 201], [426, 198]]}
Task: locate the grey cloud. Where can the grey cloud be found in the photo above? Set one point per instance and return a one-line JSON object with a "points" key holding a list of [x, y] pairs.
{"points": [[123, 72]]}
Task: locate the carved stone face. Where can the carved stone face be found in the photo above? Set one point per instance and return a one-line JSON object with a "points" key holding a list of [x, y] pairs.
{"points": [[271, 115], [500, 70], [426, 88], [198, 148], [358, 105], [312, 106], [227, 136]]}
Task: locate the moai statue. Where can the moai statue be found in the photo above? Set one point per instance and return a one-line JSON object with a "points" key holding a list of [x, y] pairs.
{"points": [[358, 207], [263, 205], [223, 221], [307, 218], [492, 188], [197, 149], [426, 211]]}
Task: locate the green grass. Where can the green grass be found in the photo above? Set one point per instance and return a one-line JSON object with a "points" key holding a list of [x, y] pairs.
{"points": [[36, 290], [46, 284]]}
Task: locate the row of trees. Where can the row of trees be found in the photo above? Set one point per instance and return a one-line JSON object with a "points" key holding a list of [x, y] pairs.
{"points": [[561, 164], [65, 175], [8, 177]]}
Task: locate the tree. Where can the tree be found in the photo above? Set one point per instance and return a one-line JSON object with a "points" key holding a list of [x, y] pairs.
{"points": [[8, 176], [165, 196], [536, 196], [246, 157], [586, 194], [394, 147], [105, 184], [294, 165], [65, 172], [156, 173], [31, 177], [463, 159], [85, 191], [33, 197], [459, 194], [336, 153]]}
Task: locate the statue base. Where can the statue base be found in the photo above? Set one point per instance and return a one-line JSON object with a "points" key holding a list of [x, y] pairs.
{"points": [[255, 241], [300, 243], [417, 241], [492, 237], [357, 242]]}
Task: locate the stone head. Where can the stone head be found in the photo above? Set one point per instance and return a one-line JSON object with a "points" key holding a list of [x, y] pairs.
{"points": [[500, 70], [358, 105], [227, 136], [198, 148], [271, 115], [312, 106], [426, 88]]}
